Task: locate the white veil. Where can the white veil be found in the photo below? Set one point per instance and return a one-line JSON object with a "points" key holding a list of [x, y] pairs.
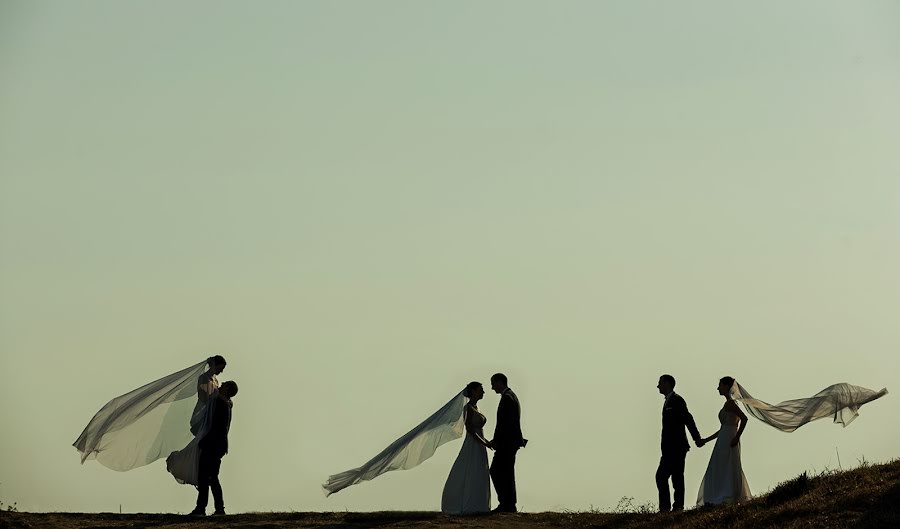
{"points": [[841, 401], [143, 425], [184, 464], [416, 446]]}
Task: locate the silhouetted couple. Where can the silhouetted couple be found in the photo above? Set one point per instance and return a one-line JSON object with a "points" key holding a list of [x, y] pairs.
{"points": [[724, 481], [468, 486], [199, 462], [183, 417], [468, 489], [214, 441]]}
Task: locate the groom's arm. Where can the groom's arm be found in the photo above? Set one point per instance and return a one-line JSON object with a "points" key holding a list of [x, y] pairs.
{"points": [[688, 421]]}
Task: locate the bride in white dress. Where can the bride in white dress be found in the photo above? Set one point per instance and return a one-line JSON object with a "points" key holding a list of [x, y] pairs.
{"points": [[468, 487], [724, 481]]}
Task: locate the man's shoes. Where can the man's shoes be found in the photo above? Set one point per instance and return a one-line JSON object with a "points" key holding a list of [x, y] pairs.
{"points": [[197, 512], [677, 509], [504, 509], [219, 512]]}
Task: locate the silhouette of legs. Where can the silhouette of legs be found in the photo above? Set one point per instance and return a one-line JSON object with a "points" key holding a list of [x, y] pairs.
{"points": [[670, 466], [503, 474], [209, 479]]}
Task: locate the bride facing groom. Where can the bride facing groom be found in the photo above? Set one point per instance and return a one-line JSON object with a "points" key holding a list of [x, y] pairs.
{"points": [[467, 489]]}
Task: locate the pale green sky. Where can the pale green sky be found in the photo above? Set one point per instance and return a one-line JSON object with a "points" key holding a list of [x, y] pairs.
{"points": [[365, 205]]}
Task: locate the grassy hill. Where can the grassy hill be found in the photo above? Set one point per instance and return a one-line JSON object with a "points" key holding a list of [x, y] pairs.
{"points": [[866, 497]]}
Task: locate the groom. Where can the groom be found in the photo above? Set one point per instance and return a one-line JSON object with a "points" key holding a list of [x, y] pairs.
{"points": [[213, 448], [675, 446], [506, 442]]}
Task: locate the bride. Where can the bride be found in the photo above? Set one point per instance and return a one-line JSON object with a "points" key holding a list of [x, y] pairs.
{"points": [[468, 487], [724, 481]]}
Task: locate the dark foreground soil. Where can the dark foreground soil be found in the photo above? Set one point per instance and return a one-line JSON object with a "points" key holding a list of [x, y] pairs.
{"points": [[867, 497]]}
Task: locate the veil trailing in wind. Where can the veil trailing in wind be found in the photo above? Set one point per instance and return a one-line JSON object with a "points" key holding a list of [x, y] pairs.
{"points": [[146, 424], [841, 401], [416, 446]]}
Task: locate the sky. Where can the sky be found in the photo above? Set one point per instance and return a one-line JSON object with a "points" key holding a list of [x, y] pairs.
{"points": [[365, 205]]}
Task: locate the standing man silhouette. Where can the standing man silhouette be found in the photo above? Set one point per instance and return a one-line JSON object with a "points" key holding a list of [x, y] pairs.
{"points": [[213, 448], [675, 446], [506, 442]]}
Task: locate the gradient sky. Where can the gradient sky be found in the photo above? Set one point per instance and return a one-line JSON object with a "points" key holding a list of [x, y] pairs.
{"points": [[366, 205]]}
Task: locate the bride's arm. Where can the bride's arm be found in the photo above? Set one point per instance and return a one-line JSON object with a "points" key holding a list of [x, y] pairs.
{"points": [[735, 409], [710, 438]]}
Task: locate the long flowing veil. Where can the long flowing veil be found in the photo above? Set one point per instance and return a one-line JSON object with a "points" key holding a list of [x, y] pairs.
{"points": [[145, 424], [841, 401], [184, 464], [416, 446]]}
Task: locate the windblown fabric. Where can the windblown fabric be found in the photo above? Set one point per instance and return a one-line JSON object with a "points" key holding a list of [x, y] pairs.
{"points": [[416, 446], [144, 425], [840, 401], [184, 464]]}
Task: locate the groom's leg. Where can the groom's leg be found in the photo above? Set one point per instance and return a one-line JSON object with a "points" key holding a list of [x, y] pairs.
{"points": [[501, 473], [662, 484], [511, 491], [215, 486], [497, 477], [202, 483], [677, 469]]}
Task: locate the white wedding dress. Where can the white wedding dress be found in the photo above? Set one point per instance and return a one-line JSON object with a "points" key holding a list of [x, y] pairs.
{"points": [[468, 487], [724, 481]]}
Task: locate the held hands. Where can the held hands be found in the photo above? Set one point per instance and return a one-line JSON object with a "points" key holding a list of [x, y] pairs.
{"points": [[700, 442]]}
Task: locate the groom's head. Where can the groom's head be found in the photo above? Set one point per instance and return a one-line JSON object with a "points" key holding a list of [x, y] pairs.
{"points": [[499, 383], [666, 384], [228, 389]]}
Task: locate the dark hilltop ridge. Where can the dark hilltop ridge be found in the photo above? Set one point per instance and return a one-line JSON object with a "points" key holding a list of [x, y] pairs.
{"points": [[865, 497]]}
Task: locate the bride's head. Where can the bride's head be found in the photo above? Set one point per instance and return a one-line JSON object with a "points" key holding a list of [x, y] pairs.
{"points": [[474, 391], [216, 364], [725, 385]]}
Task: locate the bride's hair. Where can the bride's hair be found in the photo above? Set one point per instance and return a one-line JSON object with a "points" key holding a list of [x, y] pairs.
{"points": [[470, 388], [216, 360], [728, 381]]}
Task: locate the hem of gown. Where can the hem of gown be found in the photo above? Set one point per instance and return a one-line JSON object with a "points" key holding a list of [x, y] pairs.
{"points": [[722, 501]]}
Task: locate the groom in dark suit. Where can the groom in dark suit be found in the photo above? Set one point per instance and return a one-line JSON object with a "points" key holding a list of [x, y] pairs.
{"points": [[506, 442], [675, 446], [213, 448]]}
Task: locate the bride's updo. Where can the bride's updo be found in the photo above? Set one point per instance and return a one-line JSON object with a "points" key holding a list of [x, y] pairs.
{"points": [[470, 389], [728, 381]]}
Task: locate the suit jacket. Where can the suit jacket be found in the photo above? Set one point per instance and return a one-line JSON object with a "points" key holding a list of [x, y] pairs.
{"points": [[508, 432], [675, 417], [216, 439]]}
